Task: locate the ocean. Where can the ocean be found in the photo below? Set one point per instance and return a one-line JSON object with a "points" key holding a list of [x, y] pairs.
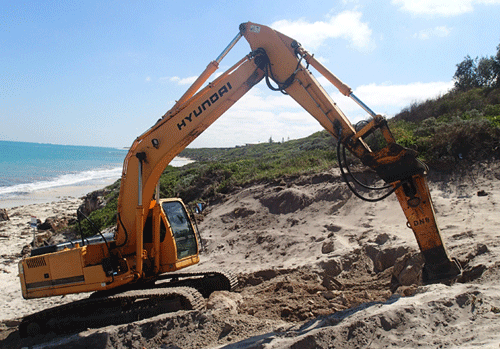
{"points": [[28, 170]]}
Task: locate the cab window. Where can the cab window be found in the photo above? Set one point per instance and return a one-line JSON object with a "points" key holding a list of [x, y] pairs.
{"points": [[185, 238]]}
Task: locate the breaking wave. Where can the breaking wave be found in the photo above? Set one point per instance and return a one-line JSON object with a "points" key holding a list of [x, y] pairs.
{"points": [[79, 178]]}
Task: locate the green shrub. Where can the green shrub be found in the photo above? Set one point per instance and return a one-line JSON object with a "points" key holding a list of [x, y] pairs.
{"points": [[453, 128], [471, 140], [101, 219]]}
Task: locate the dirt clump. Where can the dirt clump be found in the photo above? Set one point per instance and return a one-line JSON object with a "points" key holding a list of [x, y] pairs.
{"points": [[286, 201], [304, 294]]}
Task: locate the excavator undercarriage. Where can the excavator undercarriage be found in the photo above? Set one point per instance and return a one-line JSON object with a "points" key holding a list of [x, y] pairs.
{"points": [[169, 293]]}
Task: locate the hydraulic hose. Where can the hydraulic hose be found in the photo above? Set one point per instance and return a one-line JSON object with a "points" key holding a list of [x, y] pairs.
{"points": [[340, 158]]}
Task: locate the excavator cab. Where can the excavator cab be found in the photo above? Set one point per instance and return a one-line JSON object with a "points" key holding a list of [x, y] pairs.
{"points": [[170, 237]]}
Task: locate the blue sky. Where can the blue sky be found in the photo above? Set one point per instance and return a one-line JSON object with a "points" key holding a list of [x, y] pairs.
{"points": [[102, 72]]}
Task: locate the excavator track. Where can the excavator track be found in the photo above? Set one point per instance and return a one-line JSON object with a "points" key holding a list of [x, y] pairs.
{"points": [[171, 292], [205, 282], [126, 307]]}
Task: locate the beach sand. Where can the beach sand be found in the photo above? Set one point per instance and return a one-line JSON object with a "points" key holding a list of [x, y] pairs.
{"points": [[315, 266], [16, 233]]}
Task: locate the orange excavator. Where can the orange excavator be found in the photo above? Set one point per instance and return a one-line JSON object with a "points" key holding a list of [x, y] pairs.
{"points": [[137, 268]]}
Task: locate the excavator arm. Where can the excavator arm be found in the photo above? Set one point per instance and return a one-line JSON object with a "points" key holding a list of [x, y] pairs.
{"points": [[283, 63]]}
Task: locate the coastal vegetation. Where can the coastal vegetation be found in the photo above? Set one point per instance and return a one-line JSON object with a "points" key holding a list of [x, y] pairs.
{"points": [[454, 130]]}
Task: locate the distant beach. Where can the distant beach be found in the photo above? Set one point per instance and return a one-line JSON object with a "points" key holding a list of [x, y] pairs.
{"points": [[33, 173], [180, 161]]}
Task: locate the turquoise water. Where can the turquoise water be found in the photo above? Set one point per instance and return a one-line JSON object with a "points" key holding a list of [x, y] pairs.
{"points": [[28, 167]]}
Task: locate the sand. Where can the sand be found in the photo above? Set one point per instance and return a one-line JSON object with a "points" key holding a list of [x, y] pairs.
{"points": [[315, 266]]}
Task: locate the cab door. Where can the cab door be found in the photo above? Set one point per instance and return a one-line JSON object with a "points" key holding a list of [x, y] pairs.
{"points": [[184, 237]]}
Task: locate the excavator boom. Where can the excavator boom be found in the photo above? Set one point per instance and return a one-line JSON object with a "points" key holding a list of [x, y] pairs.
{"points": [[281, 61]]}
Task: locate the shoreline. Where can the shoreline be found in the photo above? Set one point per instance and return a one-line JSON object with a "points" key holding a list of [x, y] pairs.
{"points": [[78, 190], [55, 194]]}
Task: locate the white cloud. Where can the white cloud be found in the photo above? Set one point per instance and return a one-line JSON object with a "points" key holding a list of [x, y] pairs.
{"points": [[399, 96], [187, 81], [258, 99], [346, 25], [322, 59], [445, 8], [261, 114], [425, 34], [387, 99], [258, 115], [180, 81]]}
